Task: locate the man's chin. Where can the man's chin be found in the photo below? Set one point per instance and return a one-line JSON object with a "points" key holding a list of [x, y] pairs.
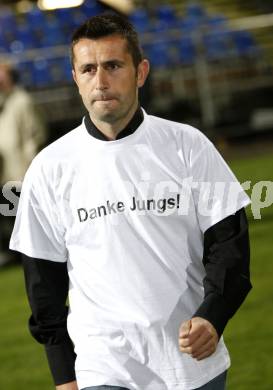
{"points": [[108, 116], [105, 104]]}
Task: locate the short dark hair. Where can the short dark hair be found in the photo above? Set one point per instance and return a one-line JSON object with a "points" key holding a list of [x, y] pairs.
{"points": [[106, 24]]}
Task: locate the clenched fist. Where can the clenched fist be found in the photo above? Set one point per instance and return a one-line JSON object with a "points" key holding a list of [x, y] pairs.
{"points": [[198, 338]]}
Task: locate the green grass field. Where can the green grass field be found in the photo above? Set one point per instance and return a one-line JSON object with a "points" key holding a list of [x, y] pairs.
{"points": [[249, 335]]}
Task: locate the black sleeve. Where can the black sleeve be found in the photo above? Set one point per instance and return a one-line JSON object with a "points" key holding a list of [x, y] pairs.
{"points": [[226, 260], [47, 289]]}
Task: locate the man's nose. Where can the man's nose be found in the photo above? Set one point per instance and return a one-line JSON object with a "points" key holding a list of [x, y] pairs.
{"points": [[101, 79]]}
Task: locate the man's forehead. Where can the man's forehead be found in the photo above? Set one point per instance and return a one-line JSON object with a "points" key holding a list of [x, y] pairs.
{"points": [[108, 44], [102, 50]]}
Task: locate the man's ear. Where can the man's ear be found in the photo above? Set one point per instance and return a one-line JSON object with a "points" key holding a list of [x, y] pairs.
{"points": [[142, 72]]}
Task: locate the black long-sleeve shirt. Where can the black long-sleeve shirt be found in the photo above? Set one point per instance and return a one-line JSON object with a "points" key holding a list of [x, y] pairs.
{"points": [[227, 282]]}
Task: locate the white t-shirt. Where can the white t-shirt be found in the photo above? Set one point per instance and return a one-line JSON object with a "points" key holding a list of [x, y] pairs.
{"points": [[128, 216]]}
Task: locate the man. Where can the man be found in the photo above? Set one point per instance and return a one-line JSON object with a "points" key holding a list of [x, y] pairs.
{"points": [[21, 134], [116, 210], [22, 130]]}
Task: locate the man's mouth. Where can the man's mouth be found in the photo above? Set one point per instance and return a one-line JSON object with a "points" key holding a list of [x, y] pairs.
{"points": [[104, 98]]}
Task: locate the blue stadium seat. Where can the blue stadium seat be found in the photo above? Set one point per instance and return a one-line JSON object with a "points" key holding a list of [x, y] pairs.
{"points": [[186, 49], [16, 47], [218, 45], [7, 20], [7, 29], [56, 70], [140, 19], [245, 43], [64, 16], [67, 69], [91, 8], [196, 11], [36, 18], [3, 43], [216, 21], [167, 14], [52, 35], [79, 17], [60, 71], [160, 54], [26, 36], [195, 16], [189, 24], [165, 19], [40, 73]]}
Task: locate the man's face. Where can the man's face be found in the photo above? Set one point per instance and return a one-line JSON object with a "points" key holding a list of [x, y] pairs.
{"points": [[107, 78]]}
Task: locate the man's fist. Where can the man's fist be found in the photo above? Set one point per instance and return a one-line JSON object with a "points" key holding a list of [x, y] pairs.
{"points": [[198, 338]]}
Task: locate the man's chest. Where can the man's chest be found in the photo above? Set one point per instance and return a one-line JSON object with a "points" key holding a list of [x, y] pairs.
{"points": [[134, 180]]}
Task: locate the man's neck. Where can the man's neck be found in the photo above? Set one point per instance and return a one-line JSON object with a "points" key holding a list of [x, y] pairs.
{"points": [[111, 130], [129, 129]]}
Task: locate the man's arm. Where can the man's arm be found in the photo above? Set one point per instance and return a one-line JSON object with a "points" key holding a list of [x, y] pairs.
{"points": [[226, 284], [68, 386], [47, 289]]}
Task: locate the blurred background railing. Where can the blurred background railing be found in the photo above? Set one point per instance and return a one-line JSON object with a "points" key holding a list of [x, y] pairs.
{"points": [[212, 60]]}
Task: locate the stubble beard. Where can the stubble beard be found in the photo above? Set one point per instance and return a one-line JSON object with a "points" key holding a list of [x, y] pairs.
{"points": [[113, 115]]}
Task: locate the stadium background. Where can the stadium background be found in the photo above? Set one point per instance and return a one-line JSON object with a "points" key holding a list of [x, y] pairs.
{"points": [[212, 67]]}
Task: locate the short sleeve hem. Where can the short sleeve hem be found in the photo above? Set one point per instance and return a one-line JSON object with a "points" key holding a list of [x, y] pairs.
{"points": [[36, 253], [244, 203]]}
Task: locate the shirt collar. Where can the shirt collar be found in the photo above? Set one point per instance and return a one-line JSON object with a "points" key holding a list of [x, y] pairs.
{"points": [[131, 127]]}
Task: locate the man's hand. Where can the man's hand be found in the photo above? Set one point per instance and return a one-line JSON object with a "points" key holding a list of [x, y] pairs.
{"points": [[198, 338], [68, 386]]}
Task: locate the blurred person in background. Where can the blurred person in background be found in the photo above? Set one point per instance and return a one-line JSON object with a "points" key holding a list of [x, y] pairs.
{"points": [[150, 289], [22, 133]]}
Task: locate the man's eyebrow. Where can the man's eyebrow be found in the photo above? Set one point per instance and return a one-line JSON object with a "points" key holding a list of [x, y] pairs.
{"points": [[104, 63], [113, 61], [84, 66]]}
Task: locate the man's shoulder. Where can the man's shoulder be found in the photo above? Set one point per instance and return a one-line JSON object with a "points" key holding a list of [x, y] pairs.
{"points": [[63, 145], [59, 152], [184, 131]]}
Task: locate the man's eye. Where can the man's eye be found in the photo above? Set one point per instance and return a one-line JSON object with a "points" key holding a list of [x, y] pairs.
{"points": [[113, 66], [89, 70]]}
